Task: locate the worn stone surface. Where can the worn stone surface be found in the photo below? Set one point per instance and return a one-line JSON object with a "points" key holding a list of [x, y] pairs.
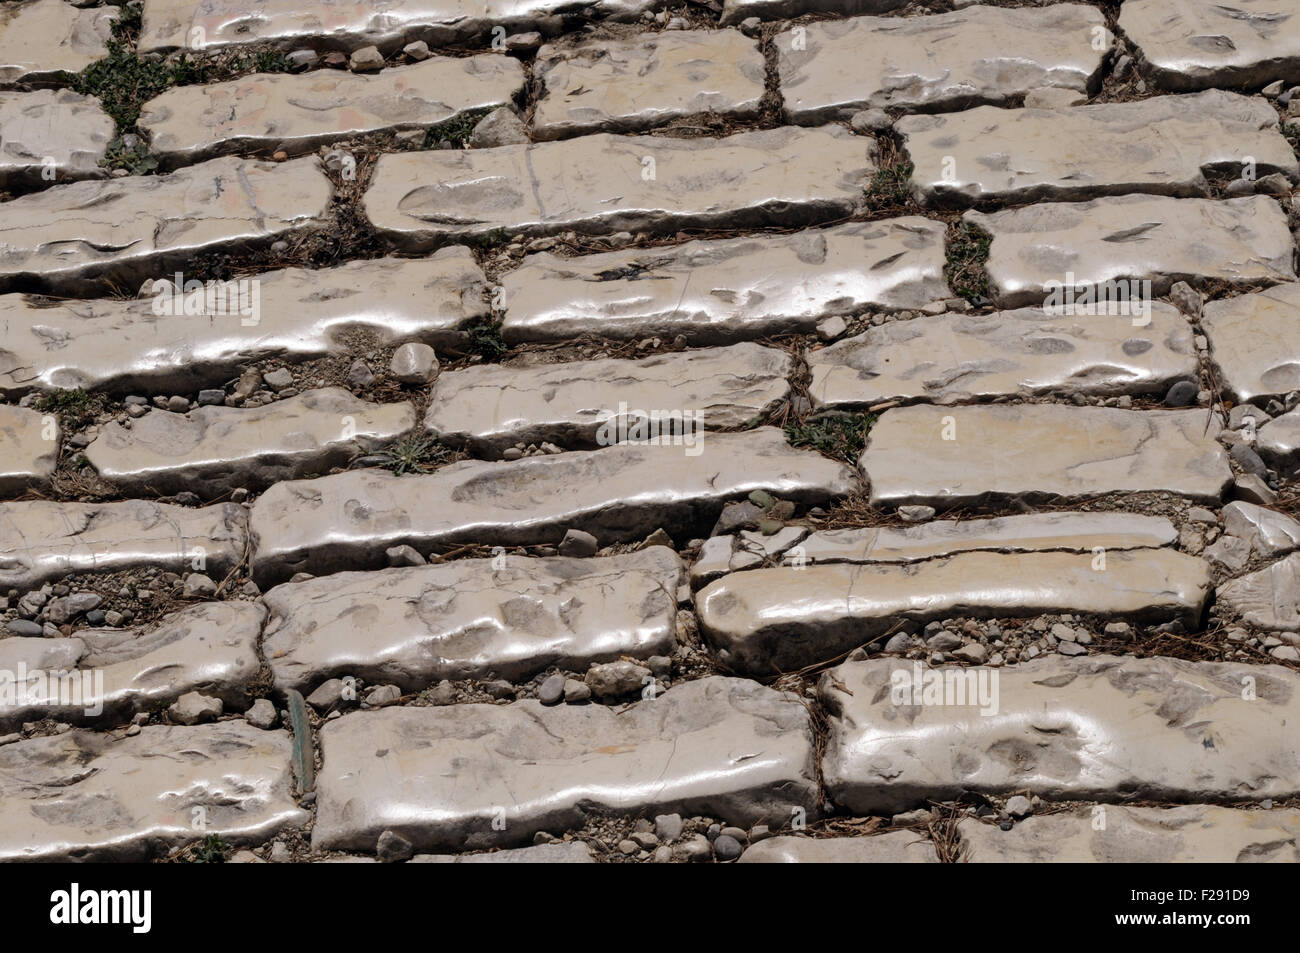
{"points": [[469, 619], [632, 85], [1269, 532], [87, 795], [210, 648], [77, 239], [40, 39], [29, 449], [572, 853], [50, 136], [608, 183], [117, 345], [1278, 442], [583, 404], [726, 290], [212, 450], [1040, 450], [734, 11], [1163, 145], [1191, 45], [1090, 728], [42, 540], [768, 620], [618, 493], [982, 54], [724, 747], [1068, 532], [295, 113], [1161, 239], [1193, 833], [1255, 340], [955, 357], [1268, 597], [895, 847], [354, 24]]}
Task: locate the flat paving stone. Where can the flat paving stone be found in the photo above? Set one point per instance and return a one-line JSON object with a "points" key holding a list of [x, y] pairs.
{"points": [[573, 853], [1036, 248], [982, 54], [41, 540], [29, 449], [633, 85], [293, 314], [1163, 146], [86, 795], [734, 11], [1268, 598], [213, 450], [729, 289], [350, 24], [769, 620], [584, 404], [1089, 728], [618, 493], [895, 847], [1033, 532], [1191, 45], [295, 113], [1278, 442], [1186, 834], [606, 183], [470, 619], [1040, 451], [210, 648], [956, 357], [723, 747], [80, 238], [42, 38], [1269, 532], [51, 136], [1255, 342]]}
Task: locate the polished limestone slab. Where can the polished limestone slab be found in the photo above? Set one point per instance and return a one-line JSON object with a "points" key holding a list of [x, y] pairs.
{"points": [[1088, 728], [42, 38], [764, 621], [894, 847], [1255, 342], [584, 404], [634, 85], [948, 455], [41, 540], [29, 449], [1239, 241], [301, 314], [296, 113], [982, 54], [1164, 146], [86, 795], [956, 357], [474, 776], [1268, 598], [606, 183], [51, 136], [719, 291], [213, 450], [210, 648], [1188, 44], [1117, 834], [618, 493], [88, 237], [472, 618]]}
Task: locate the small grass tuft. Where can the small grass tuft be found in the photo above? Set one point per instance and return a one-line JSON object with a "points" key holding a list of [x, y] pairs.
{"points": [[74, 407], [418, 453], [486, 341], [455, 130], [968, 250], [211, 850], [890, 188], [841, 436]]}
